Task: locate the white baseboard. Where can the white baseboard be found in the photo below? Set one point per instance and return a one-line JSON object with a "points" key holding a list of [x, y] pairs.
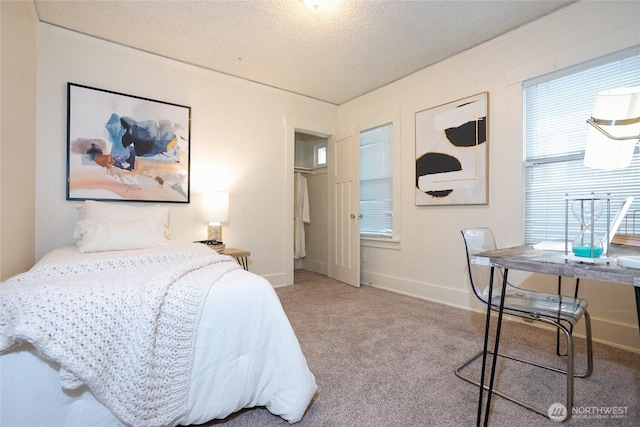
{"points": [[317, 266], [435, 293], [280, 279], [277, 280], [623, 336]]}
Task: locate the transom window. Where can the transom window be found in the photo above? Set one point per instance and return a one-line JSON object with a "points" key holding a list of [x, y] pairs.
{"points": [[320, 154]]}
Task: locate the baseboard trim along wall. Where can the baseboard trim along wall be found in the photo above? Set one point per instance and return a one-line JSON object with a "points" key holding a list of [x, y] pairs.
{"points": [[604, 331], [623, 336]]}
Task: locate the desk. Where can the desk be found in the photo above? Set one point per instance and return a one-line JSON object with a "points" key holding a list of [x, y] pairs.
{"points": [[526, 258]]}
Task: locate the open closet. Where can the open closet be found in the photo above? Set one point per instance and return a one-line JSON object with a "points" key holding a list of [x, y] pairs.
{"points": [[310, 203]]}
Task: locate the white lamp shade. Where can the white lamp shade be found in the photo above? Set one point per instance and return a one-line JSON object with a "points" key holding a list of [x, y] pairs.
{"points": [[617, 112], [215, 207]]}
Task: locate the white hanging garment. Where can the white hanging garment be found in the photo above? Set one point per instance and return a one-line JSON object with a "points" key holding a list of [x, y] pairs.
{"points": [[300, 216]]}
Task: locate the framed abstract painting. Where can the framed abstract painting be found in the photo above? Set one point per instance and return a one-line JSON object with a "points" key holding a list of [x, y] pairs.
{"points": [[125, 147], [452, 153]]}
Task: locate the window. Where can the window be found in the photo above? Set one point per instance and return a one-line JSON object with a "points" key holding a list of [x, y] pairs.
{"points": [[376, 182], [556, 108], [320, 154]]}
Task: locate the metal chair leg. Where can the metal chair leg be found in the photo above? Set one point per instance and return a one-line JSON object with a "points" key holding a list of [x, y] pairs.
{"points": [[459, 374], [569, 371], [575, 295]]}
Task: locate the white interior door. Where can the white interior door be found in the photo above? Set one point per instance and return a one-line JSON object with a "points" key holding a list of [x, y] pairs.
{"points": [[344, 210]]}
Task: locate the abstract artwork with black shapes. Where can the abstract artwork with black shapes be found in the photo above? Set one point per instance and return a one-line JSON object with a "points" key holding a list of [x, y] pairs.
{"points": [[451, 153]]}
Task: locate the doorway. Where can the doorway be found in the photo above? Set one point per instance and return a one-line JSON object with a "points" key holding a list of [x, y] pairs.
{"points": [[310, 203], [311, 129], [344, 238]]}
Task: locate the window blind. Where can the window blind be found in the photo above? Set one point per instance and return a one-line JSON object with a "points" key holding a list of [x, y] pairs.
{"points": [[555, 110], [376, 182]]}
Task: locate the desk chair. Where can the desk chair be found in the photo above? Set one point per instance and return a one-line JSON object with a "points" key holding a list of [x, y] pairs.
{"points": [[559, 311]]}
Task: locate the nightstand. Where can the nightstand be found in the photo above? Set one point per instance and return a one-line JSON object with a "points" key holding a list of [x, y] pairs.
{"points": [[240, 255]]}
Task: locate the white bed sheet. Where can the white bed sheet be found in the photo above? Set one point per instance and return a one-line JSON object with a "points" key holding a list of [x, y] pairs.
{"points": [[246, 355]]}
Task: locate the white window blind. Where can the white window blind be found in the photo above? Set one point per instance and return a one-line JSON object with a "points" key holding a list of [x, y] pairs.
{"points": [[376, 182], [555, 134]]}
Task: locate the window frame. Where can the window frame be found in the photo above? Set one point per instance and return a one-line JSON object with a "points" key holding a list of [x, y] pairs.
{"points": [[571, 161], [379, 147], [391, 117]]}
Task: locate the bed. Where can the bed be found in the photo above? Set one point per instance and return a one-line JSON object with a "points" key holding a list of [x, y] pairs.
{"points": [[170, 334]]}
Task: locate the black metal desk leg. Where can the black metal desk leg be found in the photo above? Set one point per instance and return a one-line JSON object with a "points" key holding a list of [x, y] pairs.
{"points": [[558, 329], [485, 348], [638, 304], [496, 345]]}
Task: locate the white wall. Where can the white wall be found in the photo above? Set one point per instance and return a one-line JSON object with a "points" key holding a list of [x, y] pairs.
{"points": [[242, 141], [18, 118], [238, 134], [430, 262]]}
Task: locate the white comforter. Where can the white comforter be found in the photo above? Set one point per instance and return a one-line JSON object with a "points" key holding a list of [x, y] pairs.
{"points": [[246, 355]]}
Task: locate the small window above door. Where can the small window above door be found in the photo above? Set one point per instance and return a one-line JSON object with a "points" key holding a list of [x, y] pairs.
{"points": [[320, 154]]}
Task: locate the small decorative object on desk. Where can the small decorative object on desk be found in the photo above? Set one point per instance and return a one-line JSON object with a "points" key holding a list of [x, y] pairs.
{"points": [[213, 244], [587, 246]]}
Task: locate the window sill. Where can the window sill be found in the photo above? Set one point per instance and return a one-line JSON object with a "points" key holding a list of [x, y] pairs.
{"points": [[377, 242]]}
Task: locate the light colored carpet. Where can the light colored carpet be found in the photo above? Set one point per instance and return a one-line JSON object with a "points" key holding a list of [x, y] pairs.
{"points": [[384, 359]]}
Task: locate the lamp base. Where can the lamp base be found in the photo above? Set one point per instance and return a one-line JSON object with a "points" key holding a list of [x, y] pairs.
{"points": [[215, 232]]}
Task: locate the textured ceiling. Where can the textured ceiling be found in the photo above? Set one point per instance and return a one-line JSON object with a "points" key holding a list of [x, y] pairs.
{"points": [[335, 55]]}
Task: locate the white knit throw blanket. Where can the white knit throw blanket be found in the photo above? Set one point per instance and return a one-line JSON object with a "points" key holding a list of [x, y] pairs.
{"points": [[125, 326]]}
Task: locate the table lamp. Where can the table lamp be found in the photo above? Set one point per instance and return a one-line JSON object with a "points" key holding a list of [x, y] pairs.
{"points": [[615, 128], [612, 138], [215, 210]]}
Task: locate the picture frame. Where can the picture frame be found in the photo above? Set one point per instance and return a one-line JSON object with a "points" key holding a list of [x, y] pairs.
{"points": [[452, 152], [126, 148]]}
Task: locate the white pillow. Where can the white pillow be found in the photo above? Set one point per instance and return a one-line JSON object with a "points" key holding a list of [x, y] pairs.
{"points": [[97, 236], [105, 211]]}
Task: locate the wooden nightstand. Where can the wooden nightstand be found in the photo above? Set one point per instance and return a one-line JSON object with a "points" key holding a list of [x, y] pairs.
{"points": [[240, 255]]}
